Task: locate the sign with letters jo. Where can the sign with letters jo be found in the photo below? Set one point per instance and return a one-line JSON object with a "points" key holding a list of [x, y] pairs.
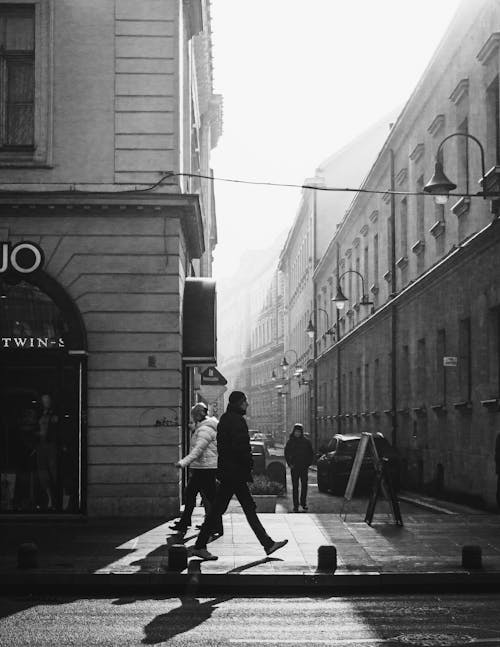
{"points": [[24, 257]]}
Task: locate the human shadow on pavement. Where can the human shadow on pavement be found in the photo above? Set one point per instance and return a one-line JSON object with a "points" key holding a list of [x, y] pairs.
{"points": [[189, 615], [244, 567]]}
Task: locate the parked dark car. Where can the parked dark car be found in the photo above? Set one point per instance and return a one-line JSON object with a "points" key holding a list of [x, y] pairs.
{"points": [[260, 455], [334, 466]]}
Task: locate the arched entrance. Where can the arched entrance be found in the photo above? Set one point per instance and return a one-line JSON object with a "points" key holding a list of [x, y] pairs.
{"points": [[42, 397]]}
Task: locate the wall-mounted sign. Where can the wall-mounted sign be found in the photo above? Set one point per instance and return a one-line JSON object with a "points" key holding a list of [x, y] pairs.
{"points": [[24, 257], [31, 342], [213, 377], [450, 361]]}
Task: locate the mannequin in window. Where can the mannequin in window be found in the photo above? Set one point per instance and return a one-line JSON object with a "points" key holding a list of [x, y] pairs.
{"points": [[48, 423]]}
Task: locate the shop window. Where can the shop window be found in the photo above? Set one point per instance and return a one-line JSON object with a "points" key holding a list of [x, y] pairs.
{"points": [[40, 403]]}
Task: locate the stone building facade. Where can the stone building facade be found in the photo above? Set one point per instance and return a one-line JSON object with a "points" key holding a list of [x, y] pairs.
{"points": [[421, 363], [109, 114]]}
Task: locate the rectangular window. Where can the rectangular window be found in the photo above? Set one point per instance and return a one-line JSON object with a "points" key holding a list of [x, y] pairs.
{"points": [[17, 77], [403, 220], [440, 368], [493, 123], [376, 384], [358, 280], [420, 209], [389, 244], [367, 387], [366, 268], [463, 157], [405, 376], [465, 358], [357, 401], [375, 259], [421, 372]]}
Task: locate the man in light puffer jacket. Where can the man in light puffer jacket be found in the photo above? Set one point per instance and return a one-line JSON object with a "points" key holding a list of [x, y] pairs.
{"points": [[202, 461]]}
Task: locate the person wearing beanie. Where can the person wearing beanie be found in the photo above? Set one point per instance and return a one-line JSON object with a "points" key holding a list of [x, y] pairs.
{"points": [[299, 456], [202, 462], [235, 465]]}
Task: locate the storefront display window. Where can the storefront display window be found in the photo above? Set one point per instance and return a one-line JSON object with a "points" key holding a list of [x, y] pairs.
{"points": [[40, 404]]}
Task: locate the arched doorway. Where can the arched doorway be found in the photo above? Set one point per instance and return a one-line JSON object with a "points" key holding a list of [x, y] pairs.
{"points": [[42, 397]]}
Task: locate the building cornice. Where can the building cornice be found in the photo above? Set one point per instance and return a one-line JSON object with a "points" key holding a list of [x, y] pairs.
{"points": [[186, 207]]}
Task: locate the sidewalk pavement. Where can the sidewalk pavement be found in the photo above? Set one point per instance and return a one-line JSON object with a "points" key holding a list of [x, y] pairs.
{"points": [[109, 556]]}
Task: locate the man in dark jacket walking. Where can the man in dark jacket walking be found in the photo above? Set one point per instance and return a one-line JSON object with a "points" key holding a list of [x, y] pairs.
{"points": [[298, 456], [235, 472]]}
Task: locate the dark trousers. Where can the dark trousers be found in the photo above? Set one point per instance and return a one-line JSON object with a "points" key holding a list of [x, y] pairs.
{"points": [[224, 494], [299, 474], [498, 490], [202, 481]]}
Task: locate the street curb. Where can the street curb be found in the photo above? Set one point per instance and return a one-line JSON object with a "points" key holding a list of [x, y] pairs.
{"points": [[106, 584]]}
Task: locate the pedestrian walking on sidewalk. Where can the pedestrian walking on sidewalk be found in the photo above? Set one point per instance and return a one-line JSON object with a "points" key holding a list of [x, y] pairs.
{"points": [[202, 462], [235, 465], [299, 456], [497, 465]]}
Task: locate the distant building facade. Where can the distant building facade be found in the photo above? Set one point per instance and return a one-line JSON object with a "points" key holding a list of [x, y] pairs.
{"points": [[105, 103], [318, 215]]}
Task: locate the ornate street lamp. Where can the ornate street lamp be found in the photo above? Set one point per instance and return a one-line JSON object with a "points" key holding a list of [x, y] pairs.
{"points": [[311, 330], [284, 364], [340, 299], [440, 185]]}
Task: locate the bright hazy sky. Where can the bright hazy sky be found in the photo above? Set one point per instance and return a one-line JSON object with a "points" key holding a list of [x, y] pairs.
{"points": [[300, 79]]}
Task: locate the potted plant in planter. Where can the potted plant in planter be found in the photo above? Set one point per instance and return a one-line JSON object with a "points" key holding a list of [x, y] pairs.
{"points": [[265, 493]]}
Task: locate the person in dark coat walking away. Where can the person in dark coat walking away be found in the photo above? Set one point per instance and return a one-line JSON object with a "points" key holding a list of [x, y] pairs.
{"points": [[235, 472], [202, 461], [298, 456]]}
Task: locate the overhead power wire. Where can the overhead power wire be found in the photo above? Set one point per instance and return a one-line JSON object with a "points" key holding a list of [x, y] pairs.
{"points": [[318, 187]]}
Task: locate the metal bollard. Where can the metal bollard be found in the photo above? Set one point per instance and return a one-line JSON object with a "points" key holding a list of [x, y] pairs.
{"points": [[327, 559], [177, 558], [471, 557], [27, 555]]}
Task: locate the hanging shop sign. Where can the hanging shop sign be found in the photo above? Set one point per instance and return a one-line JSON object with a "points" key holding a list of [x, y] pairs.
{"points": [[24, 257]]}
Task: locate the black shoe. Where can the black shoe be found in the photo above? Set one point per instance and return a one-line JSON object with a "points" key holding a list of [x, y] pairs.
{"points": [[305, 508], [276, 545], [295, 510], [179, 527]]}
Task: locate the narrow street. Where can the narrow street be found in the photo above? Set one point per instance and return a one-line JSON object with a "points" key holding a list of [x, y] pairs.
{"points": [[358, 621], [321, 502]]}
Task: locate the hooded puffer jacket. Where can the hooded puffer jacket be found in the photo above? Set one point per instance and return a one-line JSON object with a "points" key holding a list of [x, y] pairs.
{"points": [[203, 454]]}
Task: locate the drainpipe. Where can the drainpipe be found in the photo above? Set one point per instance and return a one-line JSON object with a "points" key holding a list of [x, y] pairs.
{"points": [[394, 359], [315, 324], [339, 386]]}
